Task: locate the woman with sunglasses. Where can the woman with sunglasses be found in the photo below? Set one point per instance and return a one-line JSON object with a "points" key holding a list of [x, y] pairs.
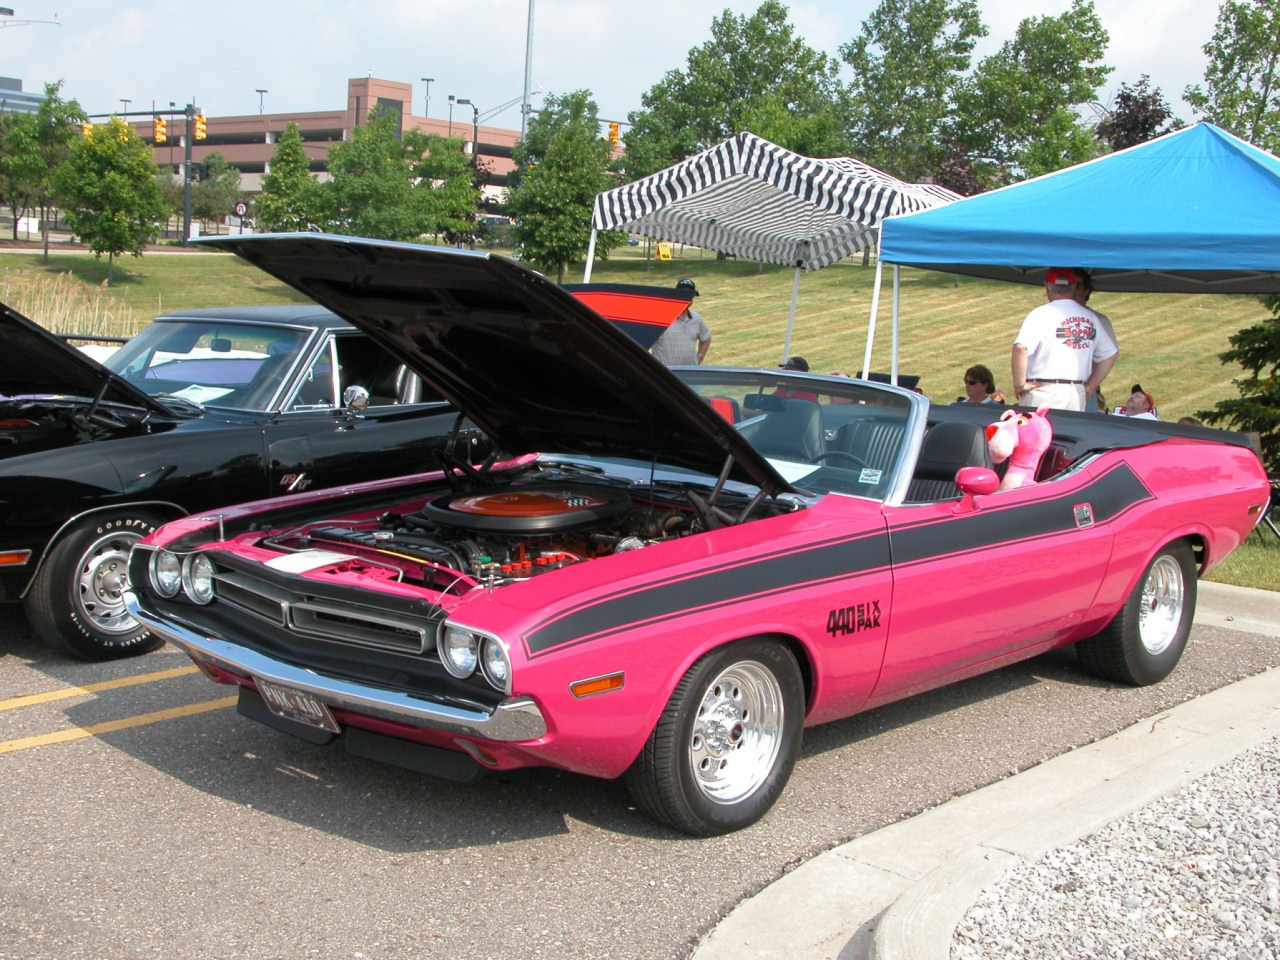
{"points": [[979, 386]]}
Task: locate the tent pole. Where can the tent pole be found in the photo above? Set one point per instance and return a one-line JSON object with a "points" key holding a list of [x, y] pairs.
{"points": [[791, 317], [591, 256], [893, 369], [871, 324]]}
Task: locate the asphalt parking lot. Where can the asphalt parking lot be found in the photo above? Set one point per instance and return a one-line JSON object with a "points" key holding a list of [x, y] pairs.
{"points": [[140, 816]]}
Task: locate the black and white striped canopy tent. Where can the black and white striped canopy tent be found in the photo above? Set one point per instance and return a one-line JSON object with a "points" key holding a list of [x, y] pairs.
{"points": [[752, 198]]}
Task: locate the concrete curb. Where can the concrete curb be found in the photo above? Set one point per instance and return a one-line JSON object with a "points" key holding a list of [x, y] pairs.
{"points": [[898, 893]]}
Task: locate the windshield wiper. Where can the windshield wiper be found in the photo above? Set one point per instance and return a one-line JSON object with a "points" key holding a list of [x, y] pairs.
{"points": [[172, 401]]}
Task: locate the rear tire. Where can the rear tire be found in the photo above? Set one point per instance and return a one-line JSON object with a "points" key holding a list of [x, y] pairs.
{"points": [[77, 599], [1145, 640], [726, 743]]}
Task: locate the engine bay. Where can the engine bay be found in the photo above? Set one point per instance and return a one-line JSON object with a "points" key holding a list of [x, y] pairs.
{"points": [[461, 540]]}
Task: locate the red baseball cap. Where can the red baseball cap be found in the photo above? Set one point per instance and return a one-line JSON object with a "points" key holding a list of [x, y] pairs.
{"points": [[1061, 276]]}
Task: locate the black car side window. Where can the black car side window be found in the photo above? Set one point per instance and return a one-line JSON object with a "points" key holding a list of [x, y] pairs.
{"points": [[318, 387]]}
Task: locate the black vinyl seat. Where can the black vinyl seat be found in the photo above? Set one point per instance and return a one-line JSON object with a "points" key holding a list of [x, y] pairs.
{"points": [[874, 441], [792, 430], [947, 447]]}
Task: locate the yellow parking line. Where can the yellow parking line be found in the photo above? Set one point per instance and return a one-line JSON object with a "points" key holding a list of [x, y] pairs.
{"points": [[79, 733], [66, 692]]}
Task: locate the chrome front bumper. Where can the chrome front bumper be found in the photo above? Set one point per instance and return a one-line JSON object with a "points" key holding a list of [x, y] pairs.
{"points": [[516, 719]]}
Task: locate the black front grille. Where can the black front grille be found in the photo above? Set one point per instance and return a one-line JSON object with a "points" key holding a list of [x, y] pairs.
{"points": [[334, 619]]}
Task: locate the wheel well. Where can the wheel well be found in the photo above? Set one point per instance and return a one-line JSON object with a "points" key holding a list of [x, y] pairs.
{"points": [[1199, 549], [801, 653], [169, 511]]}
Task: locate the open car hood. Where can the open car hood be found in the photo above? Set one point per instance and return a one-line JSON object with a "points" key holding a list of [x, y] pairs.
{"points": [[535, 368], [37, 362]]}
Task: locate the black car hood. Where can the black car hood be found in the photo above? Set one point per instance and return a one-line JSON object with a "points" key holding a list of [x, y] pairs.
{"points": [[536, 369], [37, 362]]}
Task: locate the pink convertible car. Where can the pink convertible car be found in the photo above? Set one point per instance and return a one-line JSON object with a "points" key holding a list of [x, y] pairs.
{"points": [[667, 575]]}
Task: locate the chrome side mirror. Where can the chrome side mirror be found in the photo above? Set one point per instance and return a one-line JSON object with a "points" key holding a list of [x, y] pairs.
{"points": [[355, 398]]}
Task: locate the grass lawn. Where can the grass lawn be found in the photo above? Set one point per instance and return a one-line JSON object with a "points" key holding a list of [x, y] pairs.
{"points": [[1168, 342]]}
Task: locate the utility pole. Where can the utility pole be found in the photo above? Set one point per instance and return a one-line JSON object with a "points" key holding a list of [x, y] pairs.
{"points": [[186, 173], [528, 68]]}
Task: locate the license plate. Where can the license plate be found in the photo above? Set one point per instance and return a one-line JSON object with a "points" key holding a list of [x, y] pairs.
{"points": [[296, 705]]}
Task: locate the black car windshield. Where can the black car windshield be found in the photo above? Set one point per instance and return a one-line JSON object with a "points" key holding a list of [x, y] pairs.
{"points": [[822, 434], [210, 362]]}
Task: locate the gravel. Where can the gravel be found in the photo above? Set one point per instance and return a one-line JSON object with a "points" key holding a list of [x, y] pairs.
{"points": [[1193, 875]]}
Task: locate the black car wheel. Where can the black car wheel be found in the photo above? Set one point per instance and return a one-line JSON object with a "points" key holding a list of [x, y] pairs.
{"points": [[77, 599], [1145, 640], [726, 743]]}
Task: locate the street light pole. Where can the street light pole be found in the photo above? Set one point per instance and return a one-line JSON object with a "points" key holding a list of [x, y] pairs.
{"points": [[426, 106], [124, 106], [452, 101], [260, 92], [475, 128]]}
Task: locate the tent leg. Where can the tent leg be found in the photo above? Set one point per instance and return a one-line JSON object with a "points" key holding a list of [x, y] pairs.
{"points": [[871, 324], [591, 256], [791, 317], [893, 369]]}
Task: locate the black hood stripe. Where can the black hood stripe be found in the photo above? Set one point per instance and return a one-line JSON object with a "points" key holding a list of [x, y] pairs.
{"points": [[1110, 495]]}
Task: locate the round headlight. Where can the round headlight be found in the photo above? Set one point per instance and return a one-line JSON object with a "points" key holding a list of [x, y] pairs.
{"points": [[197, 578], [459, 650], [494, 663], [166, 573]]}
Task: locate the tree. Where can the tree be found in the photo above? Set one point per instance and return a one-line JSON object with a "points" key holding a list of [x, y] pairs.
{"points": [[908, 66], [111, 198], [171, 194], [1137, 115], [447, 184], [382, 184], [216, 193], [287, 202], [58, 127], [1257, 350], [19, 163], [1019, 112], [753, 71], [558, 184], [1243, 75]]}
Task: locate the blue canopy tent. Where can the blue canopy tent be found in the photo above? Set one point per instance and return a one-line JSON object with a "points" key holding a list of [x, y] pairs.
{"points": [[1196, 211]]}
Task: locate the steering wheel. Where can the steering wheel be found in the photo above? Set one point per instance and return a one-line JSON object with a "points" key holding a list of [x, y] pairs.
{"points": [[847, 456]]}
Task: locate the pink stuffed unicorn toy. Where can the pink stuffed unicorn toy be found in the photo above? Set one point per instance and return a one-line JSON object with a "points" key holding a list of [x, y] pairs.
{"points": [[1020, 438]]}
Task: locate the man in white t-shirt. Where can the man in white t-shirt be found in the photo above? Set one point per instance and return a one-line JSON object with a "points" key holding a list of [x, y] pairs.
{"points": [[1061, 352], [1084, 289], [687, 339]]}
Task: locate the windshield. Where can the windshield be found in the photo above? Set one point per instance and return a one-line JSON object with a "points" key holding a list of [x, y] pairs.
{"points": [[822, 434], [211, 362]]}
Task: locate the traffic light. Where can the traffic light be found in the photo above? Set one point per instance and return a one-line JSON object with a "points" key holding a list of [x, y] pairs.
{"points": [[200, 127], [613, 134], [160, 130]]}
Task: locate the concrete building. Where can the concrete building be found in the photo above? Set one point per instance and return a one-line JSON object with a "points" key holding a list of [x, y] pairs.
{"points": [[248, 142], [13, 100]]}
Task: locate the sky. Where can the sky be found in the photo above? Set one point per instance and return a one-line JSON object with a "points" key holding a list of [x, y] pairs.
{"points": [[219, 54]]}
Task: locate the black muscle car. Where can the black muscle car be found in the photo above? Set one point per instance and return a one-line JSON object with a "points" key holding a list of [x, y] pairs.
{"points": [[201, 408]]}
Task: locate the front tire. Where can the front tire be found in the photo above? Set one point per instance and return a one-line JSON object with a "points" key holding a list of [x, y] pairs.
{"points": [[77, 600], [1145, 640], [726, 743]]}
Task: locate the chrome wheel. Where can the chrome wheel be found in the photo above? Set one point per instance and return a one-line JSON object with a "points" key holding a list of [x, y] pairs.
{"points": [[737, 732], [102, 579], [1160, 612]]}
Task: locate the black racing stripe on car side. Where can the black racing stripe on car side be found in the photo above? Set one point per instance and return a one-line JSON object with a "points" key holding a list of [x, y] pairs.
{"points": [[709, 589], [1109, 496]]}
